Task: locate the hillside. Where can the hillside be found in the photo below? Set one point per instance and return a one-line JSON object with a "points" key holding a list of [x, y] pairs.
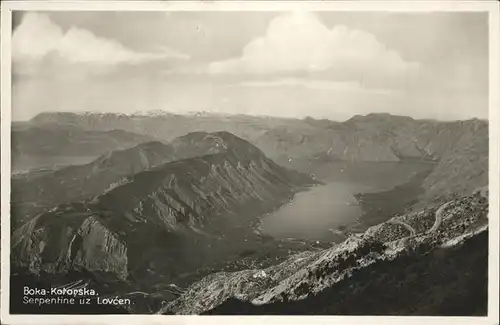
{"points": [[37, 146], [374, 137], [35, 192], [31, 194], [458, 149], [159, 224], [422, 263]]}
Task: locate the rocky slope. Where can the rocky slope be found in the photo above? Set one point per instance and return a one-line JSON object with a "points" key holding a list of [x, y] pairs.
{"points": [[459, 149], [422, 263], [160, 223], [374, 137], [464, 164]]}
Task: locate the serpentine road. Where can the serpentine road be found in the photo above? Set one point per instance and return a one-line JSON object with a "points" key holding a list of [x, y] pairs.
{"points": [[404, 224], [435, 226], [439, 217]]}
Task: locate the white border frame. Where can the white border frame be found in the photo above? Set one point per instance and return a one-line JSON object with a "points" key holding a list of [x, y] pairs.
{"points": [[492, 7]]}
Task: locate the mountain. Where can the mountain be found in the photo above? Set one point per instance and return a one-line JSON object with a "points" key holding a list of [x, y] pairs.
{"points": [[464, 165], [454, 150], [37, 146], [163, 125], [158, 217], [158, 224], [426, 262], [374, 137], [180, 218], [35, 192], [459, 149]]}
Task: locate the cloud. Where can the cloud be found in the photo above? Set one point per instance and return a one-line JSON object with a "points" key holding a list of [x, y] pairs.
{"points": [[38, 36], [316, 84], [299, 42]]}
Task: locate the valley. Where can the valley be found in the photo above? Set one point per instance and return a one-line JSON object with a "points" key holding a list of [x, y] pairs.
{"points": [[162, 211]]}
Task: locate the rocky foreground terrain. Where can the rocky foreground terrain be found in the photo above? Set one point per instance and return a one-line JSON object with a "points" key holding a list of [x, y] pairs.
{"points": [[430, 262]]}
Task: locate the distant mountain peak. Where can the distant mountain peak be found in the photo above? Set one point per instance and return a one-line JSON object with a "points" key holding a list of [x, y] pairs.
{"points": [[380, 117], [153, 113]]}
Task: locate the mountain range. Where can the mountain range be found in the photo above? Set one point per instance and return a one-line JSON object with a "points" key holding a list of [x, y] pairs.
{"points": [[151, 201], [457, 148], [163, 125], [163, 218]]}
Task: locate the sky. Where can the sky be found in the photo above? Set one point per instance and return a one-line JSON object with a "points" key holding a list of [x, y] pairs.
{"points": [[291, 64]]}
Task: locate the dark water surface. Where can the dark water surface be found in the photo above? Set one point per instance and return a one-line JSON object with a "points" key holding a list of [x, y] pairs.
{"points": [[322, 212], [317, 213]]}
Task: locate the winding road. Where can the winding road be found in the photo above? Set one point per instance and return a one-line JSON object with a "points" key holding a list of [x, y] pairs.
{"points": [[439, 217], [404, 224], [435, 226]]}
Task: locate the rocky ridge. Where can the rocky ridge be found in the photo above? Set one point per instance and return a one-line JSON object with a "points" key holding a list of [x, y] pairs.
{"points": [[382, 251]]}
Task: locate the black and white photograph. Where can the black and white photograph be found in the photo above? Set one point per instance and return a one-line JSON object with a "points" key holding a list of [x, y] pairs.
{"points": [[251, 158]]}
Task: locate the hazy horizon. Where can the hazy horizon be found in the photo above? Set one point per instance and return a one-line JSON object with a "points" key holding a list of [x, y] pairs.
{"points": [[326, 65], [205, 113]]}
